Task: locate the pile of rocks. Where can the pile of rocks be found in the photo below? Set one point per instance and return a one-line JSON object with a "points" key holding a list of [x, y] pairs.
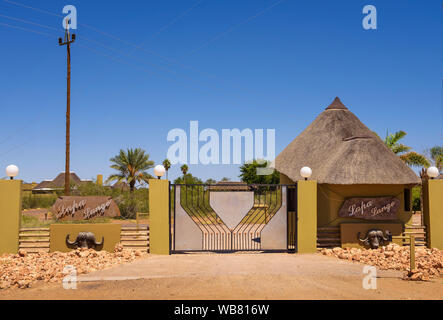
{"points": [[428, 262], [22, 269]]}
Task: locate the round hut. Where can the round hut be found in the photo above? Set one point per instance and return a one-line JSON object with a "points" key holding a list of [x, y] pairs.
{"points": [[362, 184]]}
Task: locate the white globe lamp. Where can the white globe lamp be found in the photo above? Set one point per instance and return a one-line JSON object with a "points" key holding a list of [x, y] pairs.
{"points": [[432, 172], [12, 171], [159, 171], [306, 172]]}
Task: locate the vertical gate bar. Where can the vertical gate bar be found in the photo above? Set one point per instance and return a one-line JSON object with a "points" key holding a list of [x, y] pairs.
{"points": [[175, 205], [296, 219], [288, 217], [169, 216]]}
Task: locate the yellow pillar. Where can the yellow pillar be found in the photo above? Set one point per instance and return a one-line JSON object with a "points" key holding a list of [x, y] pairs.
{"points": [[433, 212], [10, 214], [307, 216], [100, 179], [159, 224]]}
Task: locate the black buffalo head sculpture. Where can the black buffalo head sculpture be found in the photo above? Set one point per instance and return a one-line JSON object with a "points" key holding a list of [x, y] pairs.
{"points": [[85, 240], [375, 238]]}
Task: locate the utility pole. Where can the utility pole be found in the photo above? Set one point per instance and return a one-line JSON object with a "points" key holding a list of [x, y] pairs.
{"points": [[68, 40]]}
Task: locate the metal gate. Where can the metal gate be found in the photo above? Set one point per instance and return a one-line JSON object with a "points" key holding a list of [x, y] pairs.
{"points": [[233, 217]]}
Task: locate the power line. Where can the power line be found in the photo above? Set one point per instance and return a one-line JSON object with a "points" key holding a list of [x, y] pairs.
{"points": [[32, 8], [169, 60], [99, 44], [14, 148], [25, 29], [116, 38], [108, 56], [172, 22], [236, 26], [28, 22]]}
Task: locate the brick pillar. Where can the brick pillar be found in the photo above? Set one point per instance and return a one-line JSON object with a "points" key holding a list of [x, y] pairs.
{"points": [[159, 224], [10, 214], [307, 216], [433, 212]]}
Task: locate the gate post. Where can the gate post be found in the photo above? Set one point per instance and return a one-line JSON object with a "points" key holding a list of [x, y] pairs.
{"points": [[307, 216], [10, 215], [159, 222], [433, 212]]}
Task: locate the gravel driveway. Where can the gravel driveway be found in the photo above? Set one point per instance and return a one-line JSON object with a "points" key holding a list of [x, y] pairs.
{"points": [[236, 276]]}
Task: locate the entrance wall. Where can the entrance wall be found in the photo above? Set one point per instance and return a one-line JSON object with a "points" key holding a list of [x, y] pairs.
{"points": [[433, 212]]}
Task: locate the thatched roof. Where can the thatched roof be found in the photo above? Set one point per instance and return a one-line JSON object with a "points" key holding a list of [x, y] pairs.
{"points": [[58, 182], [340, 149]]}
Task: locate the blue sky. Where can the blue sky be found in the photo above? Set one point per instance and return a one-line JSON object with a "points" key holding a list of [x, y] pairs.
{"points": [[142, 68]]}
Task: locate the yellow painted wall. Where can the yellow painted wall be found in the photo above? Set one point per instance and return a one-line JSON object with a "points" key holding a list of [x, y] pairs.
{"points": [[331, 198], [433, 212], [159, 225], [58, 232], [10, 215], [307, 216]]}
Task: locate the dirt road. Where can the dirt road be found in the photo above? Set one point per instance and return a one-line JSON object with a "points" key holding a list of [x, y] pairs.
{"points": [[235, 276]]}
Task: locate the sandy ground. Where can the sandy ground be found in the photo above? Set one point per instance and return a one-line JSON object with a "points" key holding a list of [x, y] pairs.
{"points": [[234, 276]]}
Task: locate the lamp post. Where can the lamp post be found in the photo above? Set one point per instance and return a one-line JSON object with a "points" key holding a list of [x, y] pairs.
{"points": [[432, 172], [159, 171], [306, 172], [12, 171]]}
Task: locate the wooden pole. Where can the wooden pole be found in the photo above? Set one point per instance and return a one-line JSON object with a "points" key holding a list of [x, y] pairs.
{"points": [[412, 252], [68, 41], [68, 120]]}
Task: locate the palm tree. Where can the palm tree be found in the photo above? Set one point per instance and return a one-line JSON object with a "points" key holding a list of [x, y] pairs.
{"points": [[132, 166], [184, 168], [411, 158], [167, 165], [436, 155]]}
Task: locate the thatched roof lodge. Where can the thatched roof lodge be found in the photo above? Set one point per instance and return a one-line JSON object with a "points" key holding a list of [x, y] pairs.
{"points": [[340, 149], [351, 164]]}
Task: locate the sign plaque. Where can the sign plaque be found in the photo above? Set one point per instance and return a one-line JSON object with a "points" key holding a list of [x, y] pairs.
{"points": [[380, 208], [84, 208]]}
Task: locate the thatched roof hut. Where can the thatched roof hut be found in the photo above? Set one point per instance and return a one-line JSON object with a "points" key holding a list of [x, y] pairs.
{"points": [[340, 149], [58, 183]]}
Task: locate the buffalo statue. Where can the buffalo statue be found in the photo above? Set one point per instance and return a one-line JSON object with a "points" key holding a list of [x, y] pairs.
{"points": [[85, 240], [375, 238]]}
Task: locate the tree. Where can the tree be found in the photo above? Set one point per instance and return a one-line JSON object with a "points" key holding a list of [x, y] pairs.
{"points": [[250, 176], [210, 181], [436, 155], [184, 168], [167, 165], [188, 179], [409, 157], [225, 179], [132, 166]]}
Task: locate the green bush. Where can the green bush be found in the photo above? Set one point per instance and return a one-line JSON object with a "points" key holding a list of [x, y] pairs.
{"points": [[34, 201], [416, 203]]}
